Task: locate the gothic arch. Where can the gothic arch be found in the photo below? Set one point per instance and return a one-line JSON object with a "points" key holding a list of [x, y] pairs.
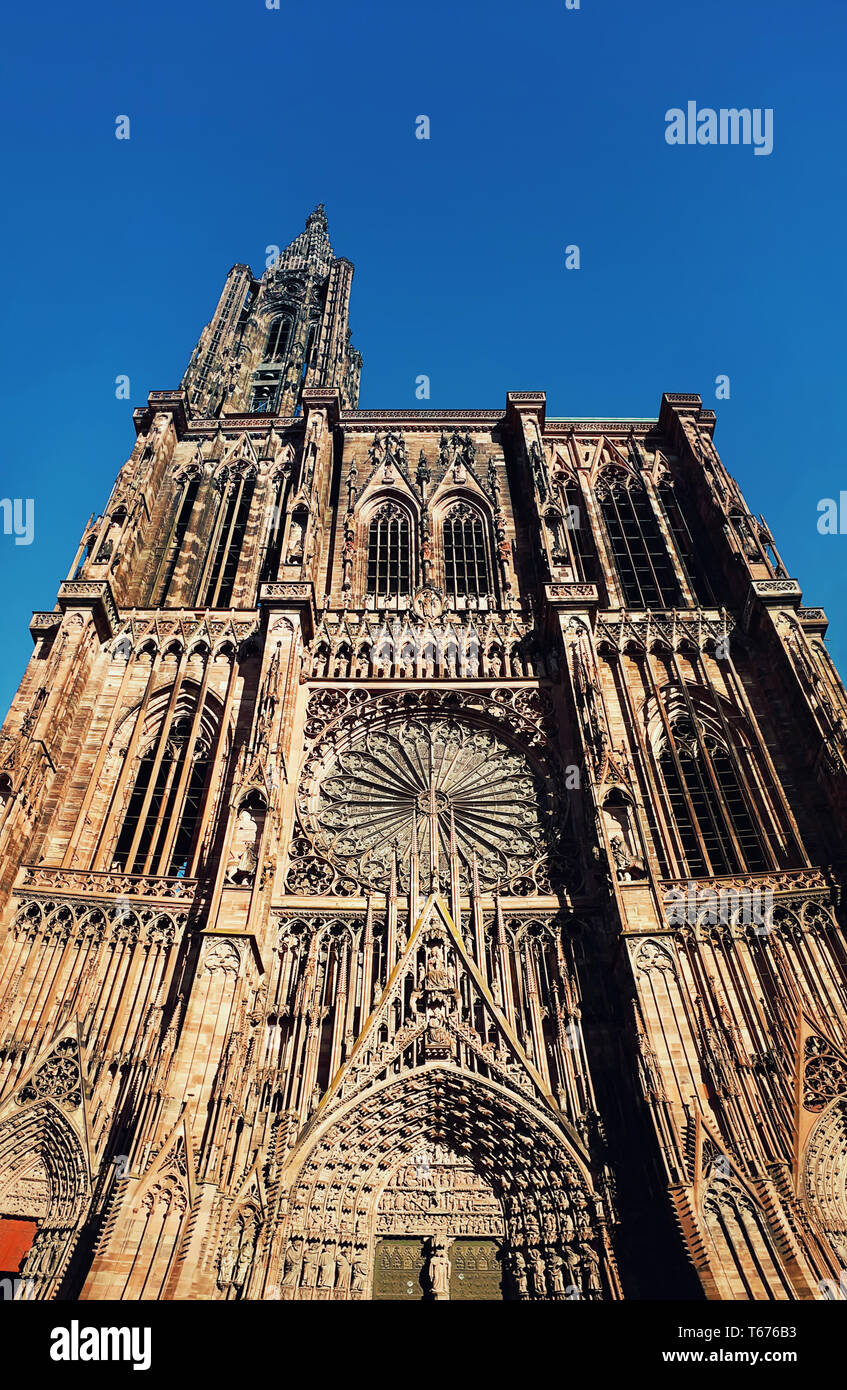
{"points": [[44, 1177], [466, 506], [552, 1235], [745, 1259], [172, 731], [381, 504], [824, 1175]]}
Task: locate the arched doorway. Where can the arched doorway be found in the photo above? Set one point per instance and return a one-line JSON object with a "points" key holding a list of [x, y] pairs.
{"points": [[440, 1160], [43, 1188]]}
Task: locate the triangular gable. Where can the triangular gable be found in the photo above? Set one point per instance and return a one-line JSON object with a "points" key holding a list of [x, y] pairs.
{"points": [[176, 1155], [57, 1077], [439, 1023], [241, 451]]}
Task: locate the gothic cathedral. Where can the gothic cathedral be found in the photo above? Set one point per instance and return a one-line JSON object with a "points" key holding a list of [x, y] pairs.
{"points": [[420, 836]]}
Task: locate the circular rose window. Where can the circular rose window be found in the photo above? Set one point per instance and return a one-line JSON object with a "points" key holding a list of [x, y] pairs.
{"points": [[439, 781]]}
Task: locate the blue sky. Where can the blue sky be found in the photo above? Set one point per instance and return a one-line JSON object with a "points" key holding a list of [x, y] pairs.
{"points": [[547, 129]]}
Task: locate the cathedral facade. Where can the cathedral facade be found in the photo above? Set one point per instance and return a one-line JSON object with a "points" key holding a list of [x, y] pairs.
{"points": [[421, 836]]}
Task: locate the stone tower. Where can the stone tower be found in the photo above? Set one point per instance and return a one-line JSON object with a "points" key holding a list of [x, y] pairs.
{"points": [[420, 852]]}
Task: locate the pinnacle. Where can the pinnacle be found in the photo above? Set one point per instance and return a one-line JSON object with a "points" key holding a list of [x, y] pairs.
{"points": [[312, 247]]}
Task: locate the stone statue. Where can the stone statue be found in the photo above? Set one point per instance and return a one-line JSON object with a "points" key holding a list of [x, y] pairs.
{"points": [[439, 1270]]}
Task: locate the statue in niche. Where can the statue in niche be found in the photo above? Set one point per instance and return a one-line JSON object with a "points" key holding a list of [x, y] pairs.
{"points": [[296, 537], [310, 1266], [326, 1267], [229, 1255], [359, 1278], [519, 1272], [436, 968], [246, 1252], [243, 855], [342, 1268], [617, 819], [555, 526], [539, 1276], [556, 1265], [591, 1266]]}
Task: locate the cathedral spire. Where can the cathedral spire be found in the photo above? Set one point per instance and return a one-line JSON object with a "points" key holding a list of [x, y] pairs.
{"points": [[274, 336], [310, 250]]}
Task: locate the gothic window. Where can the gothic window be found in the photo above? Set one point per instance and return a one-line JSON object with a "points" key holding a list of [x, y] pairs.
{"points": [[389, 552], [224, 552], [644, 567], [161, 820], [671, 504], [173, 550], [273, 554], [578, 529], [278, 335], [466, 569], [708, 803]]}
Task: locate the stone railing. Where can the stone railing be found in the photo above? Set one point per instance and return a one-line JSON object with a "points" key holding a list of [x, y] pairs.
{"points": [[151, 888]]}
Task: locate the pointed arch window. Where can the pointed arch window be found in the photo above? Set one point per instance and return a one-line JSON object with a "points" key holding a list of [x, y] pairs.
{"points": [[711, 811], [279, 333], [224, 550], [308, 351], [673, 504], [389, 552], [579, 535], [644, 566], [163, 814], [273, 553], [173, 550], [466, 568]]}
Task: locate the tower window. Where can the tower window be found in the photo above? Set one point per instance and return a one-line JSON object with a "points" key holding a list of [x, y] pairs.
{"points": [[174, 549], [225, 546], [709, 806], [644, 567], [578, 529], [389, 551], [465, 559], [264, 396], [278, 335], [684, 541]]}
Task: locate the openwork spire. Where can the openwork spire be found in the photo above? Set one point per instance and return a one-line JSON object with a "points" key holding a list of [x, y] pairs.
{"points": [[312, 249]]}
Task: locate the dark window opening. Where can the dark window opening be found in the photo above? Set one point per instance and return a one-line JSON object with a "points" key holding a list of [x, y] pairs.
{"points": [[389, 552], [171, 558], [220, 581], [644, 567], [278, 335], [465, 560], [684, 541]]}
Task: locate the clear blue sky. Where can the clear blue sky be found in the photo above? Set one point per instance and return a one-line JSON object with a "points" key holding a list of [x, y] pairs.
{"points": [[547, 129]]}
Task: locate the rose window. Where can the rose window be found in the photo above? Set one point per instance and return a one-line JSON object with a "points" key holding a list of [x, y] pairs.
{"points": [[433, 780]]}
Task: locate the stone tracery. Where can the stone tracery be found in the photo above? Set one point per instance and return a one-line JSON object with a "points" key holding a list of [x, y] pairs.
{"points": [[429, 782]]}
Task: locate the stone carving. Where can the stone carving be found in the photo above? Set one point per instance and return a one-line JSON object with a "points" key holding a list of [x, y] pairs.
{"points": [[243, 855], [824, 1074], [239, 1250], [651, 956], [421, 782], [221, 956], [57, 1079], [439, 1270]]}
